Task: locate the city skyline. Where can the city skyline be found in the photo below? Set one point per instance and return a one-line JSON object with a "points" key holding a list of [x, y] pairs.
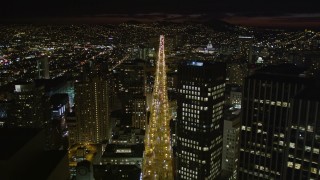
{"points": [[232, 93]]}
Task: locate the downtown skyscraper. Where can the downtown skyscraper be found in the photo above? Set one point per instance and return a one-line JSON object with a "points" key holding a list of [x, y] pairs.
{"points": [[201, 87], [280, 125], [30, 107], [92, 111]]}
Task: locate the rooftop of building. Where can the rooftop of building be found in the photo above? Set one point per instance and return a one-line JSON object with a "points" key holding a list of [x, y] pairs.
{"points": [[13, 139], [192, 69], [283, 69], [200, 63], [282, 72], [127, 131], [121, 150]]}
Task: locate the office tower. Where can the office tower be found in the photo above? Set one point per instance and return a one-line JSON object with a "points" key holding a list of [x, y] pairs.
{"points": [[266, 108], [236, 73], [130, 77], [30, 108], [129, 83], [235, 96], [71, 121], [43, 68], [92, 110], [230, 150], [199, 119], [245, 46], [157, 162], [302, 152], [139, 118]]}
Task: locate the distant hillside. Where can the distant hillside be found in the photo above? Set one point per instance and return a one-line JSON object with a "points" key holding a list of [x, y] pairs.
{"points": [[219, 25]]}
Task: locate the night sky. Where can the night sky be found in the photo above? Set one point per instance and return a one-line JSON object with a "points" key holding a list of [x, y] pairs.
{"points": [[258, 12]]}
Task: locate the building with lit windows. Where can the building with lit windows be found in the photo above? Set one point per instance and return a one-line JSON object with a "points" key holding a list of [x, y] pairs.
{"points": [[139, 118], [269, 126], [30, 106], [201, 88], [245, 47], [71, 121], [92, 111], [230, 153], [303, 154]]}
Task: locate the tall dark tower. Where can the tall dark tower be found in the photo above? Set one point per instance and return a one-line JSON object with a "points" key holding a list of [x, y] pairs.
{"points": [[266, 119], [199, 119], [43, 68], [245, 45]]}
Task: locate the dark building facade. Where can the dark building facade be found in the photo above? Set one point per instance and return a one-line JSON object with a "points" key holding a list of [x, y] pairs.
{"points": [[302, 154], [266, 125], [201, 87]]}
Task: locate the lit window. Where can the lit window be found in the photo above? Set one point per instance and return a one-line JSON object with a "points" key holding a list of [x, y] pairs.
{"points": [[307, 148], [292, 145], [310, 128]]}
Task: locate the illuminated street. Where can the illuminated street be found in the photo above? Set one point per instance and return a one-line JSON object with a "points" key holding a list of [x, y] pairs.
{"points": [[157, 163]]}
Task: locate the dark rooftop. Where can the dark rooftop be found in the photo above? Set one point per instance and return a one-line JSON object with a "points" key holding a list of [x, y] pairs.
{"points": [[282, 69], [136, 150], [282, 73]]}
